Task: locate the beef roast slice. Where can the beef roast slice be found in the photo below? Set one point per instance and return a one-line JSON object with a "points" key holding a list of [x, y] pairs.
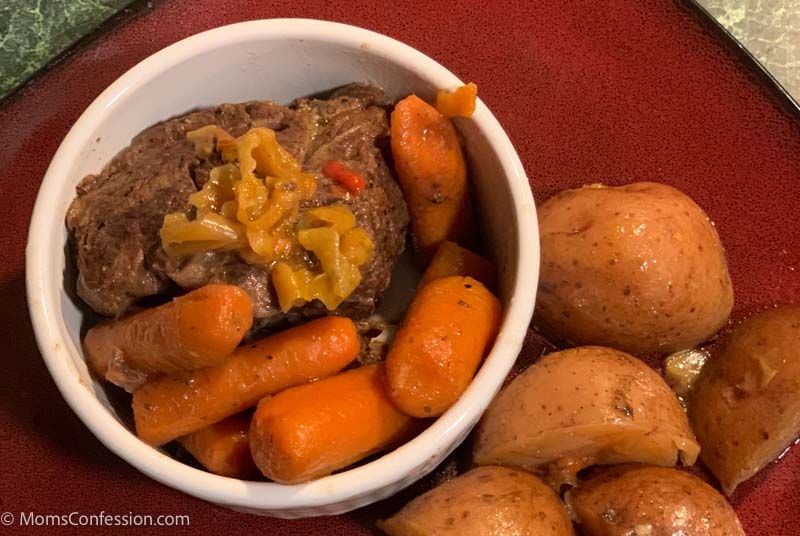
{"points": [[117, 214], [115, 218]]}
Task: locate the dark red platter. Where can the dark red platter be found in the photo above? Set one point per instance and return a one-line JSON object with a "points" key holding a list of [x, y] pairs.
{"points": [[612, 92]]}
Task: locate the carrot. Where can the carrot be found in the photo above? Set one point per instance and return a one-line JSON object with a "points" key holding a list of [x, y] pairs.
{"points": [[175, 405], [193, 331], [223, 447], [460, 102], [440, 344], [451, 259], [432, 174], [312, 430]]}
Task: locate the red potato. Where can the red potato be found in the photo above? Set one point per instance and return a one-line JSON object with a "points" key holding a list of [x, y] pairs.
{"points": [[486, 501], [584, 406], [638, 499], [638, 267], [745, 405]]}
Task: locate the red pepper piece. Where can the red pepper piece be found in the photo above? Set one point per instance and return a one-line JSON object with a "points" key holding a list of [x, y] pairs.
{"points": [[348, 179]]}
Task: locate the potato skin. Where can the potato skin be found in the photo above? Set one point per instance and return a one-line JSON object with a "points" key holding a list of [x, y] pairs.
{"points": [[745, 406], [487, 501], [638, 267], [616, 500], [585, 406]]}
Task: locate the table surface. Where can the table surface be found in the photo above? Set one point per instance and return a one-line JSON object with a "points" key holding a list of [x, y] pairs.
{"points": [[652, 93], [33, 34], [770, 29]]}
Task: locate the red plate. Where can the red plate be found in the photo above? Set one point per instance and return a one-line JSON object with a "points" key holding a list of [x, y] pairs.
{"points": [[610, 92]]}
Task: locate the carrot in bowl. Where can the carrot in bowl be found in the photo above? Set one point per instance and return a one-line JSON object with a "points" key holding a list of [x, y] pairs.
{"points": [[175, 405], [440, 344], [223, 447], [198, 329], [432, 173], [451, 259], [460, 102], [312, 430]]}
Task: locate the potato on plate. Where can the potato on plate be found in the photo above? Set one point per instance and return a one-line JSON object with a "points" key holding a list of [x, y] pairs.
{"points": [[638, 267], [745, 406], [585, 406], [643, 500], [487, 501]]}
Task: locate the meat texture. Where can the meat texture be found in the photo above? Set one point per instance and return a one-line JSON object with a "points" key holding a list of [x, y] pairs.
{"points": [[115, 219]]}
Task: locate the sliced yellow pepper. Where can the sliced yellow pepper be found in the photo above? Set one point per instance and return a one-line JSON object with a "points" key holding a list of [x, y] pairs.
{"points": [[251, 204]]}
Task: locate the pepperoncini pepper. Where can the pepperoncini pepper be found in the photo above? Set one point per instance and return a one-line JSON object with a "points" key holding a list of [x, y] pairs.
{"points": [[251, 204]]}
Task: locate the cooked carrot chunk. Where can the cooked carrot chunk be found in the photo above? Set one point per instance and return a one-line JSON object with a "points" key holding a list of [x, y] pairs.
{"points": [[196, 330], [451, 259], [175, 405], [223, 447], [460, 102], [312, 430], [441, 344], [432, 173]]}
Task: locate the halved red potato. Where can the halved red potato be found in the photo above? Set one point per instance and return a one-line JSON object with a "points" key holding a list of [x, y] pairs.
{"points": [[487, 501], [745, 406], [643, 500], [584, 406]]}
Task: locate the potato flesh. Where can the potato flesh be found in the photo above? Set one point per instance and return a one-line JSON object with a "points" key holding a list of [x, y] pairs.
{"points": [[638, 267], [745, 406], [639, 499], [585, 406], [487, 501], [682, 369]]}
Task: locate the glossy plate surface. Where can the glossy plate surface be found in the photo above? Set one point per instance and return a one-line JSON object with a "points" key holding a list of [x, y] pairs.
{"points": [[588, 91]]}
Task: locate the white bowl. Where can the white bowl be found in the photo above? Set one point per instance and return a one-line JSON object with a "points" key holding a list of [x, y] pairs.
{"points": [[277, 59]]}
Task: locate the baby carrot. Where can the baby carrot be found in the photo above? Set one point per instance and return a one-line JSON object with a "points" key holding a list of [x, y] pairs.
{"points": [[460, 102], [432, 174], [196, 330], [223, 448], [175, 405], [451, 259], [440, 344], [312, 430]]}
